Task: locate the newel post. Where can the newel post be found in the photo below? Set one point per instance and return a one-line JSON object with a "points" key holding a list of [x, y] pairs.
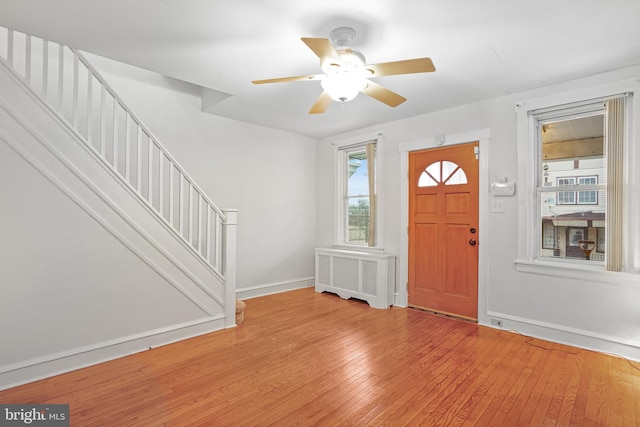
{"points": [[229, 265]]}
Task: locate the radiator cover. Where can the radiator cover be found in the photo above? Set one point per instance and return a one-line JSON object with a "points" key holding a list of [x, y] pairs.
{"points": [[354, 274]]}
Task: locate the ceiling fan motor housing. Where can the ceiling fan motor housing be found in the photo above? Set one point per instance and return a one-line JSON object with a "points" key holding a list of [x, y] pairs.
{"points": [[350, 58], [343, 36]]}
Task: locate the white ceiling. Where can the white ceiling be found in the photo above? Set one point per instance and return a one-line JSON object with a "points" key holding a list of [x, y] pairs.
{"points": [[481, 49]]}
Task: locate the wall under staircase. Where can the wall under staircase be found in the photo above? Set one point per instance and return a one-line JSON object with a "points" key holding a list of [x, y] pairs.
{"points": [[108, 247]]}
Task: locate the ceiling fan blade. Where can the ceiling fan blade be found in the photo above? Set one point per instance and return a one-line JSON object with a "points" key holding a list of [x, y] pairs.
{"points": [[321, 104], [322, 48], [383, 94], [288, 79], [408, 66]]}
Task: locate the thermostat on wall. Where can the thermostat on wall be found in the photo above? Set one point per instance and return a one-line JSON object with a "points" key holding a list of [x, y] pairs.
{"points": [[503, 187]]}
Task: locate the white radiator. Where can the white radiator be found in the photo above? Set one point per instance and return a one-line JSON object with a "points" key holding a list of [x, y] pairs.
{"points": [[362, 275]]}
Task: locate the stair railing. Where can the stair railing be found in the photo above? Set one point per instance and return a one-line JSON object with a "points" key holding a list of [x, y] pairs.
{"points": [[65, 80]]}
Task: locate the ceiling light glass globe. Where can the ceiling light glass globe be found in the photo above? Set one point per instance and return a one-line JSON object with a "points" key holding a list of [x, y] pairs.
{"points": [[343, 87]]}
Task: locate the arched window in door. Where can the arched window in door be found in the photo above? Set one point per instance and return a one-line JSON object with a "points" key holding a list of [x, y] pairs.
{"points": [[442, 172]]}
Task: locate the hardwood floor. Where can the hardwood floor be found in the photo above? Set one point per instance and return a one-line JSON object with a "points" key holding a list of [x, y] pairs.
{"points": [[302, 358]]}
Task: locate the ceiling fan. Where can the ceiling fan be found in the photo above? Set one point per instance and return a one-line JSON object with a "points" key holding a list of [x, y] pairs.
{"points": [[345, 72]]}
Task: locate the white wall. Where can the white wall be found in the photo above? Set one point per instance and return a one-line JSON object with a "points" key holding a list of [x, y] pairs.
{"points": [[268, 175], [590, 314], [66, 281]]}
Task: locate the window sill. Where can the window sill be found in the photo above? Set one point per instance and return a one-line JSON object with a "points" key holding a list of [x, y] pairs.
{"points": [[576, 270]]}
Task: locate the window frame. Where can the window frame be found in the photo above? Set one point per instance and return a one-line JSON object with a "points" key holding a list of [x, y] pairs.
{"points": [[529, 204], [342, 148]]}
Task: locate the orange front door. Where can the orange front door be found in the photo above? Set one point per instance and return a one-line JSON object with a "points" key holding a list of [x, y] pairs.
{"points": [[443, 230]]}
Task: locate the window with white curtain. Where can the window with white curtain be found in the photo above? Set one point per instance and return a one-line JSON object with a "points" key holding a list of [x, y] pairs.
{"points": [[575, 158], [357, 193]]}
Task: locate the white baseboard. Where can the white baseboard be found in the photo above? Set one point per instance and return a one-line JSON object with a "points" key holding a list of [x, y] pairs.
{"points": [[629, 349], [27, 371], [400, 300], [274, 288]]}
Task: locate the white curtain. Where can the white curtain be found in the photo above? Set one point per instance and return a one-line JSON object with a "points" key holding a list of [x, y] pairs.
{"points": [[615, 179], [371, 173]]}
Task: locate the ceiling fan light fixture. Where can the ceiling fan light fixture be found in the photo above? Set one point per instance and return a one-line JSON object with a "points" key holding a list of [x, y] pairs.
{"points": [[343, 87], [345, 72]]}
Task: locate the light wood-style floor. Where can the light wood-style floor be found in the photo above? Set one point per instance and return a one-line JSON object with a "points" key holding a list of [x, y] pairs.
{"points": [[302, 358]]}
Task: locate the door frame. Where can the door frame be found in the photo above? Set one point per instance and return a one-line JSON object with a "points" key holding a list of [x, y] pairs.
{"points": [[482, 136]]}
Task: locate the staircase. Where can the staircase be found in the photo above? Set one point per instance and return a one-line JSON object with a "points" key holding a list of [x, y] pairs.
{"points": [[59, 116]]}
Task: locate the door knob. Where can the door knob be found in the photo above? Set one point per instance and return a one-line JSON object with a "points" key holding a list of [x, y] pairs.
{"points": [[472, 242], [472, 230]]}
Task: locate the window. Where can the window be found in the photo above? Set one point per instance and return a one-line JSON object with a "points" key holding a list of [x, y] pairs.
{"points": [[577, 169], [578, 197], [571, 142], [445, 172], [566, 197], [601, 240], [549, 235], [357, 194], [588, 197]]}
